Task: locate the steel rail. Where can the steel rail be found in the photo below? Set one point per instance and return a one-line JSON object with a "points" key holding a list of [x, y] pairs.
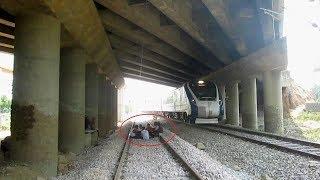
{"points": [[285, 144]]}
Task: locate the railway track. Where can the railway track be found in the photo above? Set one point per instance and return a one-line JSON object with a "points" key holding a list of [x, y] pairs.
{"points": [[286, 144], [125, 169]]}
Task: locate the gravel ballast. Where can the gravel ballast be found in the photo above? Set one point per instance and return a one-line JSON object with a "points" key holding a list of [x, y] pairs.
{"points": [[201, 162], [152, 162], [259, 161], [97, 162]]}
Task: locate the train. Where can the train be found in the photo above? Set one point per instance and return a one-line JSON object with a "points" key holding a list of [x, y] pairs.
{"points": [[197, 102]]}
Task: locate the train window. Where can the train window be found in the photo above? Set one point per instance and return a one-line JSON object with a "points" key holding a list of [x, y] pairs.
{"points": [[205, 91]]}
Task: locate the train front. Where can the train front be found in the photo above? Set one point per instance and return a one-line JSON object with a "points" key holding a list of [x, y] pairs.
{"points": [[204, 100]]}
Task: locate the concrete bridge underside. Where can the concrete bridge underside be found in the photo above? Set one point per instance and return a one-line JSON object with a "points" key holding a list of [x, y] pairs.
{"points": [[70, 58]]}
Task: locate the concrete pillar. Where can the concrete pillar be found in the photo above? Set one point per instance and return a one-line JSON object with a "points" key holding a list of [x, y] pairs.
{"points": [[272, 97], [102, 109], [92, 92], [222, 90], [115, 119], [232, 104], [72, 100], [109, 107], [249, 104], [35, 100]]}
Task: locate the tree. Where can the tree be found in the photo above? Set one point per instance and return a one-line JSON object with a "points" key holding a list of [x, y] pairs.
{"points": [[5, 104]]}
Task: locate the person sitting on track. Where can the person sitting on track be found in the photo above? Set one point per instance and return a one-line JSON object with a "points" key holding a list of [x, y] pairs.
{"points": [[151, 130], [136, 132], [158, 128], [144, 134]]}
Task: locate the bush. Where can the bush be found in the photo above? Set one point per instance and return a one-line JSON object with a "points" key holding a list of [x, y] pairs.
{"points": [[5, 104]]}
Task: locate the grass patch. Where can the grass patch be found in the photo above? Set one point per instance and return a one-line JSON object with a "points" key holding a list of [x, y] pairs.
{"points": [[312, 134], [308, 116]]}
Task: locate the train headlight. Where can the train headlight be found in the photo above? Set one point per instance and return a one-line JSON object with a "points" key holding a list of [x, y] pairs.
{"points": [[200, 82]]}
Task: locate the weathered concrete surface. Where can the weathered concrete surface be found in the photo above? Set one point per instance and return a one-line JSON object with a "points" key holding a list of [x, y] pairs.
{"points": [[126, 57], [271, 57], [249, 104], [92, 92], [272, 97], [271, 28], [222, 91], [130, 62], [80, 18], [142, 52], [232, 103], [182, 14], [147, 17], [219, 9], [122, 27], [129, 68], [35, 100], [102, 112], [72, 100]]}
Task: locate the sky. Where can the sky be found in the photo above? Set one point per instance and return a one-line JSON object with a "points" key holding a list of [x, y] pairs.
{"points": [[303, 40]]}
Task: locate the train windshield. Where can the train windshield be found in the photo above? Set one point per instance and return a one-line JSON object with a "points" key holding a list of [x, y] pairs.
{"points": [[205, 91]]}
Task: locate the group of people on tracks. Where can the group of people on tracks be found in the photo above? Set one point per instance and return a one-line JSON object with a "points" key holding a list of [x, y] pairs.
{"points": [[145, 133]]}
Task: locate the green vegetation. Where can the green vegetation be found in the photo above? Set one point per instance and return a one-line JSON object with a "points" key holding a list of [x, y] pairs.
{"points": [[309, 125], [312, 134], [309, 116], [5, 104], [5, 108]]}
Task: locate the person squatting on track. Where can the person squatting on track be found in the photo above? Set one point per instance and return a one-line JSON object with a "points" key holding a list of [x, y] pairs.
{"points": [[140, 132]]}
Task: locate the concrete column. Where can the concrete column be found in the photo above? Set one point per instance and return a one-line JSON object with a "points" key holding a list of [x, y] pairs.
{"points": [[92, 92], [102, 109], [72, 100], [249, 104], [35, 100], [115, 119], [272, 97], [109, 107], [232, 104], [222, 90]]}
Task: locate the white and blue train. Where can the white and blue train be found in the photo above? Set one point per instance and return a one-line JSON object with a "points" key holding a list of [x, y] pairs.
{"points": [[194, 103]]}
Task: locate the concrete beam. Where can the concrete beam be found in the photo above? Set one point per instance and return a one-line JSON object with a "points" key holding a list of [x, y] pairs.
{"points": [[127, 30], [147, 17], [6, 31], [9, 42], [81, 20], [125, 57], [6, 49], [220, 10], [147, 75], [131, 48], [151, 80], [269, 58], [132, 67], [181, 13]]}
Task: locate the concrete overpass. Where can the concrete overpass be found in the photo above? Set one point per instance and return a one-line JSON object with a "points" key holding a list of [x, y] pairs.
{"points": [[71, 57]]}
